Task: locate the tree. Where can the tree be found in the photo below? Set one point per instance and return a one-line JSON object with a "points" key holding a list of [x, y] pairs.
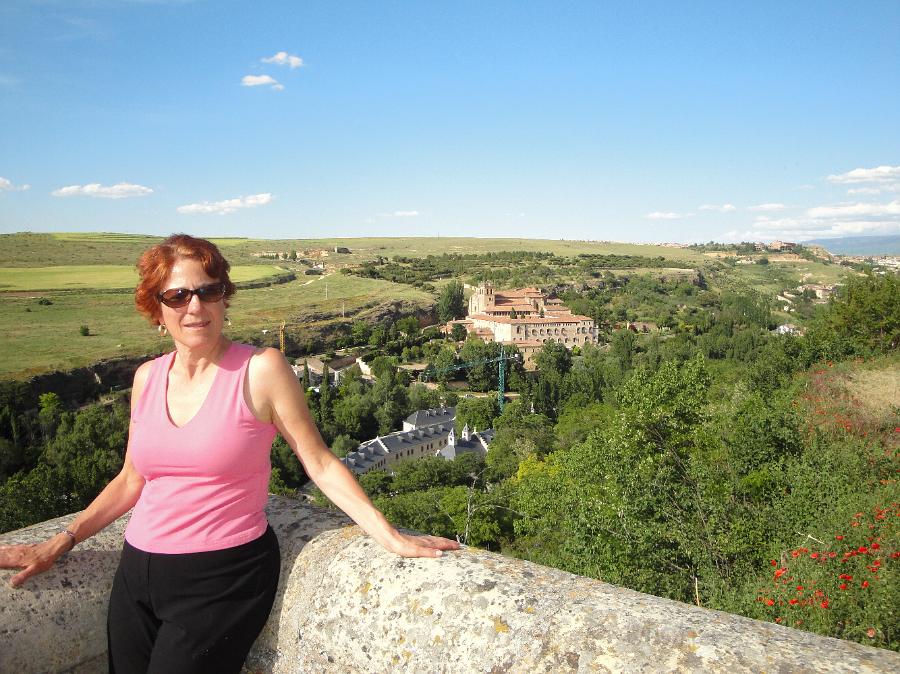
{"points": [[305, 380], [389, 414], [553, 357], [343, 445], [285, 462], [458, 332], [409, 325], [517, 436], [360, 331], [481, 376], [451, 302], [866, 313], [476, 412]]}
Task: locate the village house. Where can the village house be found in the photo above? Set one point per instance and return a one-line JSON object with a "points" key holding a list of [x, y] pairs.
{"points": [[425, 433], [527, 318]]}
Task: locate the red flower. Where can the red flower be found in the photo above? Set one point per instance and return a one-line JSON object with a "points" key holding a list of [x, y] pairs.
{"points": [[814, 555], [773, 562], [839, 537], [875, 546], [770, 602], [865, 583], [780, 572], [819, 593], [799, 588], [845, 576], [824, 604], [793, 602], [843, 586], [863, 549]]}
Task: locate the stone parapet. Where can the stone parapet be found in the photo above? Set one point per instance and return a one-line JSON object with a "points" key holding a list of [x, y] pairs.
{"points": [[346, 605]]}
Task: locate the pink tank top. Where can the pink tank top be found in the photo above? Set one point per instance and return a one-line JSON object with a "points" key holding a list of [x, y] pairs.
{"points": [[207, 482]]}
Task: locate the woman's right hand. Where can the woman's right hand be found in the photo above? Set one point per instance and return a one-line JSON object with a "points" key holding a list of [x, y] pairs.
{"points": [[33, 559]]}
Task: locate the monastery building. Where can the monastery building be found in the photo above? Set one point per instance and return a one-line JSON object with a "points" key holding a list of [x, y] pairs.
{"points": [[527, 318]]}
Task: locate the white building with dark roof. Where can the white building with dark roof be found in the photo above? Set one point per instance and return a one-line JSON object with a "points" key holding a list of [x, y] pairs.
{"points": [[435, 439], [421, 418]]}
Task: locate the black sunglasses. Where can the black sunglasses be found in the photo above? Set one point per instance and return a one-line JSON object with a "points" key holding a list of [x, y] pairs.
{"points": [[180, 297]]}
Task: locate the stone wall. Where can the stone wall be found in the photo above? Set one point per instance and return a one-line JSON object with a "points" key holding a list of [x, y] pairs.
{"points": [[346, 605]]}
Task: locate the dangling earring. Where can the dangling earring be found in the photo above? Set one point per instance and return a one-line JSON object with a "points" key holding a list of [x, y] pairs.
{"points": [[228, 320], [162, 330]]}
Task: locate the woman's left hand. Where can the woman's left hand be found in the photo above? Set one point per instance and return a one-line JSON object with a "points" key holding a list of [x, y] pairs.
{"points": [[420, 546]]}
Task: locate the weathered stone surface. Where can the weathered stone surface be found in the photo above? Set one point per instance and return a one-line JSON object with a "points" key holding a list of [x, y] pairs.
{"points": [[57, 621], [346, 605]]}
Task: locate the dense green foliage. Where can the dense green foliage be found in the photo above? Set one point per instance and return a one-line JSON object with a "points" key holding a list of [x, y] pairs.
{"points": [[516, 268]]}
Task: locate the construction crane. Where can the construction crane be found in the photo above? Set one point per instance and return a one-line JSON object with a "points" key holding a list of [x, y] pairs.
{"points": [[431, 372]]}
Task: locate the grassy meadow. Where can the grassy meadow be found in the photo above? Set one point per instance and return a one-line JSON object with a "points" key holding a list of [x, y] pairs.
{"points": [[98, 277], [40, 337]]}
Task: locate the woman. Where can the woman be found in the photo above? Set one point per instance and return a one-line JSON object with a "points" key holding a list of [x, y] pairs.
{"points": [[199, 565]]}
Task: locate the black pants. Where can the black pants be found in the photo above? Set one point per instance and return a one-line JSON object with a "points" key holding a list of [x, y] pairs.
{"points": [[190, 613]]}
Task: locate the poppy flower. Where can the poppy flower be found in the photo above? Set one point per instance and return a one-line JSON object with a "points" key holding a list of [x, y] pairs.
{"points": [[770, 602], [843, 586], [839, 537], [865, 583], [824, 604]]}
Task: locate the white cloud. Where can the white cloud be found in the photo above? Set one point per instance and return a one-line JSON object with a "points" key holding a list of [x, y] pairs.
{"points": [[228, 205], [767, 207], [863, 190], [260, 81], [865, 210], [879, 174], [659, 215], [6, 185], [282, 58], [117, 191], [718, 208], [842, 219], [405, 214]]}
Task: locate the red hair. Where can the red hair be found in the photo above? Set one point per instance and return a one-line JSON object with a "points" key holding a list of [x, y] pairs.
{"points": [[155, 266]]}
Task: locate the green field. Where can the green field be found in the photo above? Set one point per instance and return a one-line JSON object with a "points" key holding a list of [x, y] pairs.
{"points": [[100, 277], [38, 338], [41, 250]]}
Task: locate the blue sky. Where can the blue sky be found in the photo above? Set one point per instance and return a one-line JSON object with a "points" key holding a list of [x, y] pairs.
{"points": [[651, 121]]}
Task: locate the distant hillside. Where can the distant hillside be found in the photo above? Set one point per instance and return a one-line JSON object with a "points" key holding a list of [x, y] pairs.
{"points": [[861, 245]]}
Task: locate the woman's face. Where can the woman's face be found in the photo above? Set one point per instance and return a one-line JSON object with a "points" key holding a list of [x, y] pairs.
{"points": [[197, 324]]}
